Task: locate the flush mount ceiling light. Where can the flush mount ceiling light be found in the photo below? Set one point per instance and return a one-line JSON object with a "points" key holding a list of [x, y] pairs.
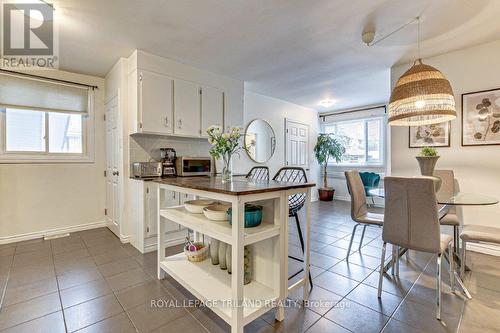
{"points": [[422, 96], [326, 103]]}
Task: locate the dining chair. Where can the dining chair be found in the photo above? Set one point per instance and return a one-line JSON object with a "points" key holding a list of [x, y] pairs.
{"points": [[411, 221], [448, 189], [258, 173], [295, 203], [477, 234], [359, 210], [370, 181]]}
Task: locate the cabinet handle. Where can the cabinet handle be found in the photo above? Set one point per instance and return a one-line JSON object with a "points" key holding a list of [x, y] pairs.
{"points": [[166, 121], [180, 124]]}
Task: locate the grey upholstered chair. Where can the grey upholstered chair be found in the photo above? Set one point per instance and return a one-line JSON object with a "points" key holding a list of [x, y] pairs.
{"points": [[411, 221], [448, 189], [359, 211], [477, 234]]}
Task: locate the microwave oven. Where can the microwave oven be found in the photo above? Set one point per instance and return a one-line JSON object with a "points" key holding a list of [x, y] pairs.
{"points": [[193, 166]]}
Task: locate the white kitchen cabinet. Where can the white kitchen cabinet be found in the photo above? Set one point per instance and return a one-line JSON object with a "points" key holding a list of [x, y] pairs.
{"points": [[154, 103], [187, 106], [212, 108], [167, 199], [233, 109]]}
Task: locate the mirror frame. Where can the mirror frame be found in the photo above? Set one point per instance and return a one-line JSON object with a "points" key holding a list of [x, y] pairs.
{"points": [[273, 143]]}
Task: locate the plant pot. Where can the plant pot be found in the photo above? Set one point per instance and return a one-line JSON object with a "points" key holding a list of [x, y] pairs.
{"points": [[326, 194], [427, 164]]}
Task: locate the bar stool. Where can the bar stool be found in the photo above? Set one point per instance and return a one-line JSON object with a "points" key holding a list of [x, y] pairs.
{"points": [[258, 173], [295, 203], [477, 234]]}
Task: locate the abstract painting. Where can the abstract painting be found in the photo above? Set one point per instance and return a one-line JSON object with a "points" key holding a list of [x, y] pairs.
{"points": [[481, 118], [435, 135]]}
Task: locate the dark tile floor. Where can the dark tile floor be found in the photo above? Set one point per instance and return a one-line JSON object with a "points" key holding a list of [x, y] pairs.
{"points": [[90, 282]]}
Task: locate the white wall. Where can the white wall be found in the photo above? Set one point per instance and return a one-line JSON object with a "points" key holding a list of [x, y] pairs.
{"points": [[476, 168], [37, 199], [274, 111]]}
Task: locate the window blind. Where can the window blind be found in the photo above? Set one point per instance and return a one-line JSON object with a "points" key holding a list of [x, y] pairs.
{"points": [[363, 113], [42, 95]]}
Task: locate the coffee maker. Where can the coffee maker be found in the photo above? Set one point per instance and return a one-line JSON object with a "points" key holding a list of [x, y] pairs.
{"points": [[168, 157]]}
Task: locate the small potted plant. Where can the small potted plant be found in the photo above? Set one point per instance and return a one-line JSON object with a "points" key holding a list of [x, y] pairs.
{"points": [[427, 160], [328, 146]]}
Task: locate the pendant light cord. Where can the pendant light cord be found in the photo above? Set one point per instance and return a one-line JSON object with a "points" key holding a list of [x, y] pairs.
{"points": [[418, 37]]}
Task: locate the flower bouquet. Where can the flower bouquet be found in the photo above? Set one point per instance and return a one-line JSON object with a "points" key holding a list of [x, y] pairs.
{"points": [[224, 146]]}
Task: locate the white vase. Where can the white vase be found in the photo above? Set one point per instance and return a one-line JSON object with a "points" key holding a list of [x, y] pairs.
{"points": [[214, 251], [229, 263], [222, 255]]}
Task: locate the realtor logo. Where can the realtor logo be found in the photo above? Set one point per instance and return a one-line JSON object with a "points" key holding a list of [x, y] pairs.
{"points": [[28, 35]]}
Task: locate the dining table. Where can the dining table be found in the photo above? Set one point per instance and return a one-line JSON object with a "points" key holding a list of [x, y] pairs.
{"points": [[446, 202]]}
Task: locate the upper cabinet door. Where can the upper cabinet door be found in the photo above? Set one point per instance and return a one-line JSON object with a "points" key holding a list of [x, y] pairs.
{"points": [[155, 103], [233, 109], [212, 108], [187, 107]]}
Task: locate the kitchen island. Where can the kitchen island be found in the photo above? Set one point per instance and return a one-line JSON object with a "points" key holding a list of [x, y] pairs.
{"points": [[224, 293]]}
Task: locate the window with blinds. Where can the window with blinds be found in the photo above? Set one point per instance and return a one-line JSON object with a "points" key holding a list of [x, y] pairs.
{"points": [[41, 119]]}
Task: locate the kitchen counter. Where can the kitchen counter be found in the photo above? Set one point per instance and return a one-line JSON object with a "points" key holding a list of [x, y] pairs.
{"points": [[238, 186]]}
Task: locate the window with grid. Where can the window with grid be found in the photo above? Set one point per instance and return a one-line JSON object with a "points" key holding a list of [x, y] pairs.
{"points": [[42, 120], [366, 140]]}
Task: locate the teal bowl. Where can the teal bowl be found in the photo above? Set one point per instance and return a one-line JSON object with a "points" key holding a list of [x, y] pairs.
{"points": [[253, 215]]}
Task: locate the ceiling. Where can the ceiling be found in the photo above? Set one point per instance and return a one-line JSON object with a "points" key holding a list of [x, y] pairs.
{"points": [[301, 51]]}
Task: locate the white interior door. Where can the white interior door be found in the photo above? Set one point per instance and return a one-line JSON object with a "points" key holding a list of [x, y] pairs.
{"points": [[113, 154], [297, 144]]}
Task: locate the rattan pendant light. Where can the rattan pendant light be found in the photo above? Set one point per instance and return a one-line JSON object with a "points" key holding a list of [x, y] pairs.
{"points": [[422, 96]]}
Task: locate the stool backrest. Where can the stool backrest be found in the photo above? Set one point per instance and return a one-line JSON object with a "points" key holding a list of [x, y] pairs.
{"points": [[411, 214], [293, 175], [358, 195], [258, 173]]}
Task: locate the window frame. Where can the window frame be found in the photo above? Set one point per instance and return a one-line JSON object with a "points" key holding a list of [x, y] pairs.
{"points": [[383, 137], [87, 155]]}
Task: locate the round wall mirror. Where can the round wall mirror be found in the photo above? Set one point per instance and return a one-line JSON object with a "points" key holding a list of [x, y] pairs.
{"points": [[260, 140]]}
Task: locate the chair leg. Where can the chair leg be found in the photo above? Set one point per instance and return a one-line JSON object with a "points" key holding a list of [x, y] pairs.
{"points": [[397, 260], [438, 287], [362, 237], [452, 267], [382, 266], [393, 259], [301, 239], [464, 258], [350, 243], [456, 239]]}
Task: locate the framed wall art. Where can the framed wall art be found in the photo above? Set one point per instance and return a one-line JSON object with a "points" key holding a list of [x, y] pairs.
{"points": [[435, 135], [481, 118]]}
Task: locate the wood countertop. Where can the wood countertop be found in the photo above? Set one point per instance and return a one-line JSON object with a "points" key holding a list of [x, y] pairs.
{"points": [[238, 186]]}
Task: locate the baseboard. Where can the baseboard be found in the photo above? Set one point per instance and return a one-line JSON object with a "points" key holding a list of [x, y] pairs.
{"points": [[342, 198], [49, 232], [490, 249], [125, 239], [173, 242]]}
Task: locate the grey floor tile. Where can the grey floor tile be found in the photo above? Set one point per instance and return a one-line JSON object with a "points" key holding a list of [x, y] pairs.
{"points": [[33, 258], [147, 318], [118, 266], [395, 326], [357, 318], [72, 255], [77, 277], [112, 255], [84, 292], [116, 324], [128, 279], [322, 261], [93, 311], [29, 274], [25, 311], [324, 325], [297, 319], [368, 297], [184, 324], [52, 323], [17, 294], [67, 265], [37, 247], [335, 283], [351, 271], [424, 317], [7, 251], [142, 293]]}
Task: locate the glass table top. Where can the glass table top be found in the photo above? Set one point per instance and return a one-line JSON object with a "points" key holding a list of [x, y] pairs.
{"points": [[459, 199]]}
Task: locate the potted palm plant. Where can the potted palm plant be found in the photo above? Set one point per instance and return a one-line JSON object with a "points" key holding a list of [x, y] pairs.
{"points": [[328, 146]]}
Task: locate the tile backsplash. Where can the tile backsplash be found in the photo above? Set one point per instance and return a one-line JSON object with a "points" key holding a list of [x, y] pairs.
{"points": [[146, 147]]}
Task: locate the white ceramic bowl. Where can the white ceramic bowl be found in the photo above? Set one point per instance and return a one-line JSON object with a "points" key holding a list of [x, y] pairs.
{"points": [[196, 206], [217, 212]]}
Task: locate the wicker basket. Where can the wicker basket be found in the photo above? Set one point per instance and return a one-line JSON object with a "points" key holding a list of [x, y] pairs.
{"points": [[197, 256]]}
